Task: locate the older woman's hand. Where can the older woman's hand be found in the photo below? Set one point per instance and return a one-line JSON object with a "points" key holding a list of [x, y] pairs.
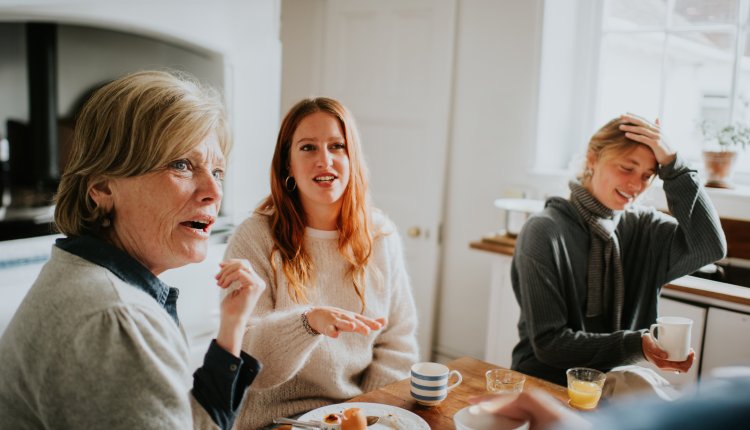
{"points": [[658, 356], [649, 134], [330, 321], [246, 288]]}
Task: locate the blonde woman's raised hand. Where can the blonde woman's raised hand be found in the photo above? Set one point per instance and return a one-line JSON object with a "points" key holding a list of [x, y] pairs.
{"points": [[244, 288], [649, 134], [332, 321]]}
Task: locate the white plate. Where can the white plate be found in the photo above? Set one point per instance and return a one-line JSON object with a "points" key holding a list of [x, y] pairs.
{"points": [[409, 420], [473, 418]]}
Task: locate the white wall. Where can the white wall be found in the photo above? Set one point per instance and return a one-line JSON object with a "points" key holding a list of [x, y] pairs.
{"points": [[244, 33], [302, 27], [492, 151], [117, 53], [90, 56], [492, 139]]}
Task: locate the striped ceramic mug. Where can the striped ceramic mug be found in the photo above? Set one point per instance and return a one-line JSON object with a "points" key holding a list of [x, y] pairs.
{"points": [[429, 382]]}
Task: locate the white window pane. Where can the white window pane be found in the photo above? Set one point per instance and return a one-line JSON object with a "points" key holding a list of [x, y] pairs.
{"points": [[697, 44], [692, 12], [629, 76], [742, 163], [698, 86], [742, 103], [634, 14]]}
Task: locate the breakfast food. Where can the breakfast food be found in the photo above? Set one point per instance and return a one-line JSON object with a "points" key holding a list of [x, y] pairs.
{"points": [[353, 419], [331, 422], [332, 419]]}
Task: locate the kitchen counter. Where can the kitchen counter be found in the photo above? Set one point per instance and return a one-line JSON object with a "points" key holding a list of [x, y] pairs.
{"points": [[687, 288], [492, 247], [709, 292]]}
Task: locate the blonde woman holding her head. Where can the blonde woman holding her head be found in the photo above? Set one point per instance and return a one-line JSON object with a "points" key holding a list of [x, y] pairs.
{"points": [[338, 318], [587, 270]]}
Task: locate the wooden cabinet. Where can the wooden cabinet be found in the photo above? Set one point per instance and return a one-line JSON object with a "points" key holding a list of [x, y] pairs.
{"points": [[727, 340]]}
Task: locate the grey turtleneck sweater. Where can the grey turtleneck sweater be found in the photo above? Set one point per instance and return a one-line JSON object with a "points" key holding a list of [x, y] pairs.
{"points": [[550, 267]]}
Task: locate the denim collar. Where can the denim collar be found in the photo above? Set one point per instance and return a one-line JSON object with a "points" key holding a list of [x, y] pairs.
{"points": [[125, 267]]}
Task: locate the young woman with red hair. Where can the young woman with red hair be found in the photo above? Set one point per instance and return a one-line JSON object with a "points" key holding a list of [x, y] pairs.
{"points": [[338, 318]]}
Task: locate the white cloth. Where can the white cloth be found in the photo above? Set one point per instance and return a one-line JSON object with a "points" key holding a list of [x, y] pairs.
{"points": [[634, 379], [301, 371]]}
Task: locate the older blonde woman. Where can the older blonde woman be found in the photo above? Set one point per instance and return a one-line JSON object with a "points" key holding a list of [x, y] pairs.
{"points": [[97, 342], [338, 318]]}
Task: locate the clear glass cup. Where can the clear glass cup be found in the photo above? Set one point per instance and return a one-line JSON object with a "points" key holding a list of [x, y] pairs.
{"points": [[504, 381], [507, 384], [585, 387]]}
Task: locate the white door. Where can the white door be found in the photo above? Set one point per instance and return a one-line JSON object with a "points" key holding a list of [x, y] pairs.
{"points": [[390, 63]]}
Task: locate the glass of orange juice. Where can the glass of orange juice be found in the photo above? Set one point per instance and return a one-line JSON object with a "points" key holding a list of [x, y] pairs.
{"points": [[585, 387]]}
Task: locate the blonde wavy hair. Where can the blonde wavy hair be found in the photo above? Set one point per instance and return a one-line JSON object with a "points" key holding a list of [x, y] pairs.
{"points": [[130, 127], [288, 219], [608, 142]]}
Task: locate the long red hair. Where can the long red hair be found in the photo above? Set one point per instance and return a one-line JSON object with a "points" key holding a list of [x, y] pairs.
{"points": [[288, 219]]}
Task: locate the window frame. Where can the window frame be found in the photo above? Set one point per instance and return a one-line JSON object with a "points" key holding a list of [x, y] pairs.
{"points": [[568, 137]]}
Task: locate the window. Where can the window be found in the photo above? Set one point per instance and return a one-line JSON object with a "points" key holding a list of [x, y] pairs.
{"points": [[683, 61]]}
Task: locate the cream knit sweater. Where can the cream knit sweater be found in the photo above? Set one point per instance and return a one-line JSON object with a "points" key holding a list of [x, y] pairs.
{"points": [[303, 372]]}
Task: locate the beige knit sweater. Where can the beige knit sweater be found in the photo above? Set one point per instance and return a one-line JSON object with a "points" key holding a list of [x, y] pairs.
{"points": [[303, 372]]}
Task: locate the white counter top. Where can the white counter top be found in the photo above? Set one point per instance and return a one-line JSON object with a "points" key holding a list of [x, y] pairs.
{"points": [[689, 288], [709, 292]]}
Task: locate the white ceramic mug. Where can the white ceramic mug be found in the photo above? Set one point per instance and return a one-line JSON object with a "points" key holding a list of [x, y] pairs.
{"points": [[429, 382], [673, 336]]}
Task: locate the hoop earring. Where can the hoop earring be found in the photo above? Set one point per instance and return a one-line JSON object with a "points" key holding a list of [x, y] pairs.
{"points": [[588, 173], [292, 187]]}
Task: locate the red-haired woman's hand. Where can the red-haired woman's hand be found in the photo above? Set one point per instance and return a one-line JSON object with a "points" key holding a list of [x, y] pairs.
{"points": [[331, 321], [649, 134]]}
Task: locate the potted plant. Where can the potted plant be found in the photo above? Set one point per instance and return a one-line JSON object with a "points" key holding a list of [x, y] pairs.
{"points": [[721, 150]]}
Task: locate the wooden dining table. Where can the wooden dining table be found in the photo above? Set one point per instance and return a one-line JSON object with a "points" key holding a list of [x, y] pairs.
{"points": [[441, 417]]}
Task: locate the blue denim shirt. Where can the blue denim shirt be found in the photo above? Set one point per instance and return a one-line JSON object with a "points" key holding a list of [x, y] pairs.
{"points": [[220, 383]]}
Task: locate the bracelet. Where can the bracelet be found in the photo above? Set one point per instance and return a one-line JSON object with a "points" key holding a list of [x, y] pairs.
{"points": [[306, 324]]}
